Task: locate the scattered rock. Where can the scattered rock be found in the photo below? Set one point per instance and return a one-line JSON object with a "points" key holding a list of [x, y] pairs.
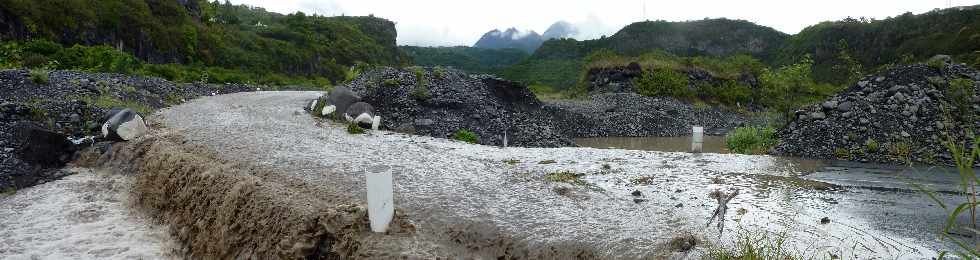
{"points": [[825, 220], [637, 193], [637, 200]]}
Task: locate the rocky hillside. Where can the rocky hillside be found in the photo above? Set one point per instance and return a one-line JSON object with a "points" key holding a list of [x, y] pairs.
{"points": [[440, 102], [66, 104], [896, 115]]}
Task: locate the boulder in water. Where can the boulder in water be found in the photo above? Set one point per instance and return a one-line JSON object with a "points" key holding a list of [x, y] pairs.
{"points": [[124, 125]]}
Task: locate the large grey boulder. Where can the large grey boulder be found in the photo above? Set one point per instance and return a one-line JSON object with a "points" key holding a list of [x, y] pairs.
{"points": [[334, 104], [362, 114], [124, 125], [42, 147]]}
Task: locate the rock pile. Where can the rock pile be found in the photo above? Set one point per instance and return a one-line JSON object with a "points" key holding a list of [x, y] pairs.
{"points": [[73, 105], [440, 102], [896, 115], [634, 115]]}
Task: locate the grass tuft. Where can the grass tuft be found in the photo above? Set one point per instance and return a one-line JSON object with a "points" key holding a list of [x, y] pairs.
{"points": [[466, 136], [751, 140], [355, 129], [39, 76]]}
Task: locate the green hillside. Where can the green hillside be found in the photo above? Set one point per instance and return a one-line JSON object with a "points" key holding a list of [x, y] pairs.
{"points": [[477, 60], [201, 36]]}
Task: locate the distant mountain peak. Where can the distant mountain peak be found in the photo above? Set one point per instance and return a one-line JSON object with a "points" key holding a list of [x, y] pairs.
{"points": [[560, 29]]}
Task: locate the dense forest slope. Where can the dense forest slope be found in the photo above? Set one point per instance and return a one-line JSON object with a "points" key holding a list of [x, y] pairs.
{"points": [[471, 59], [208, 34], [846, 50], [842, 51]]}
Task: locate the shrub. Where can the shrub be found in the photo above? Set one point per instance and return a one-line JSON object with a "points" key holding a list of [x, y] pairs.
{"points": [[421, 93], [960, 93], [108, 102], [391, 83], [936, 64], [901, 151], [663, 82], [355, 129], [751, 140], [466, 136], [439, 72], [842, 153], [871, 145], [39, 76]]}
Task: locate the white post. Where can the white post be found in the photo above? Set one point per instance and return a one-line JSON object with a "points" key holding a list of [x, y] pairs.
{"points": [[505, 138], [697, 139], [381, 204]]}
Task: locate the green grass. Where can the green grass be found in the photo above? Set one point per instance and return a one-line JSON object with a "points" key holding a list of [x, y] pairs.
{"points": [[355, 129], [466, 136], [422, 93], [39, 76], [749, 246], [842, 153], [109, 102], [8, 191], [871, 145], [751, 140], [391, 83]]}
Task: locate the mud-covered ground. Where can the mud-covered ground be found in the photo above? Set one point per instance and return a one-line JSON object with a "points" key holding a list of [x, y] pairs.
{"points": [[86, 215], [456, 199]]}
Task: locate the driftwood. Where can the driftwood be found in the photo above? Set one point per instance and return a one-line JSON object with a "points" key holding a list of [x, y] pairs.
{"points": [[722, 208]]}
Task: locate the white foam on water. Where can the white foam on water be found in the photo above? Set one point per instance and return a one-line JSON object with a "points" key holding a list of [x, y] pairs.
{"points": [[86, 215]]}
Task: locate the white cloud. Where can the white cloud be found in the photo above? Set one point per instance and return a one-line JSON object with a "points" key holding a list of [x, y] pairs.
{"points": [[462, 22]]}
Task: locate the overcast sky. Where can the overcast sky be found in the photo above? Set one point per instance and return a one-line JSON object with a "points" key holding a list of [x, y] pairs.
{"points": [[462, 22]]}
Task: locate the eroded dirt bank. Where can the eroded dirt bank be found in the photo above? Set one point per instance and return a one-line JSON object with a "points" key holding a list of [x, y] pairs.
{"points": [[252, 175]]}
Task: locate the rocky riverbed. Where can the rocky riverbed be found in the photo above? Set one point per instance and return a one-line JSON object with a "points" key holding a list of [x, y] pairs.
{"points": [[905, 114], [72, 104]]}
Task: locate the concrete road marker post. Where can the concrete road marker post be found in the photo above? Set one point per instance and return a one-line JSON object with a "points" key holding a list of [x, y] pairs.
{"points": [[697, 139], [381, 205]]}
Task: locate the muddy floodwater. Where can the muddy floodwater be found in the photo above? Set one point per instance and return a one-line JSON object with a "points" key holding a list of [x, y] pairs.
{"points": [[626, 203], [855, 197]]}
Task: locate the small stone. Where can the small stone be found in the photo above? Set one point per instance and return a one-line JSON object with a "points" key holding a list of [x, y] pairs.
{"points": [[75, 118], [679, 205], [637, 193], [825, 220], [845, 107], [638, 201], [905, 134], [818, 115], [863, 121], [879, 79], [8, 150], [829, 105]]}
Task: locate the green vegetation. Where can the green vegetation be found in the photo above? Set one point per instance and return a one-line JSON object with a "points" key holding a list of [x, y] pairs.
{"points": [[664, 82], [9, 191], [422, 94], [391, 83], [843, 153], [108, 101], [761, 246], [39, 76], [466, 136], [751, 140], [474, 60], [791, 86], [512, 161], [871, 145], [901, 151], [354, 129], [960, 93], [232, 43]]}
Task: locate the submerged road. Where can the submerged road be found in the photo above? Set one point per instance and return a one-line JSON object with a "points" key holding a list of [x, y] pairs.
{"points": [[464, 197]]}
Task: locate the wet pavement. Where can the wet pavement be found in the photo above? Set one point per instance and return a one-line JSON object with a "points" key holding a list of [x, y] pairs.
{"points": [[487, 200]]}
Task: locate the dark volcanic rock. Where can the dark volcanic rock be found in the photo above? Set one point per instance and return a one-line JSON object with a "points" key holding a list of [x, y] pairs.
{"points": [[893, 116], [42, 147], [453, 101], [634, 115], [62, 107]]}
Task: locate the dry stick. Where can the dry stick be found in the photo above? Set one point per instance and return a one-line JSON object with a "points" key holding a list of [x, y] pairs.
{"points": [[722, 208]]}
